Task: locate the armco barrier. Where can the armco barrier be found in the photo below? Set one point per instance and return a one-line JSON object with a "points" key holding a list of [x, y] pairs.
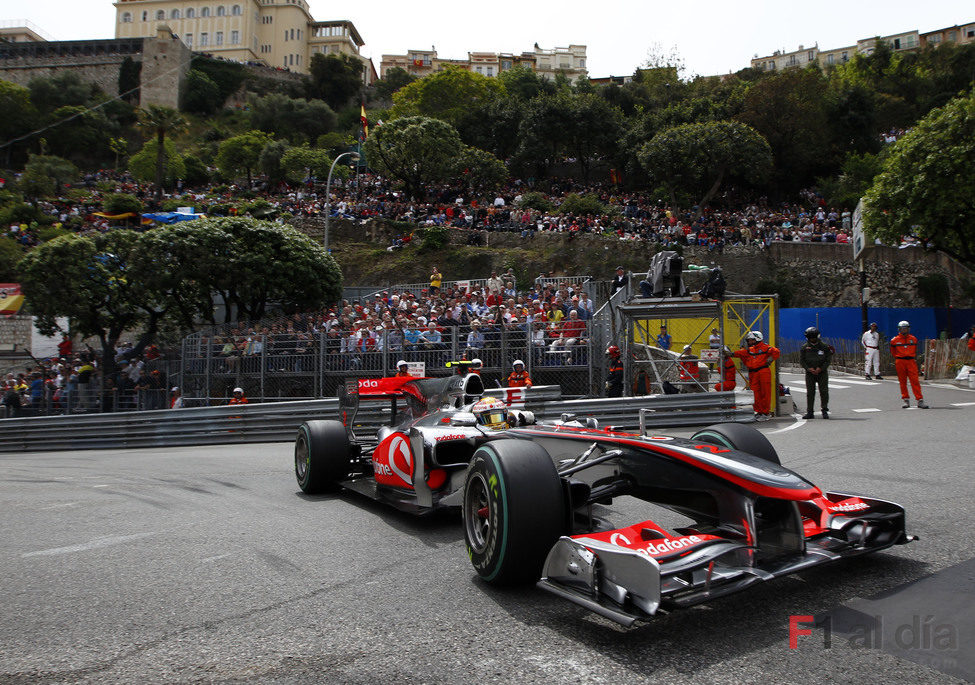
{"points": [[278, 421]]}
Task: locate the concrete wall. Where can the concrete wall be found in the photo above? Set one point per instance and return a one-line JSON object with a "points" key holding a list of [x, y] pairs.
{"points": [[820, 275], [165, 63]]}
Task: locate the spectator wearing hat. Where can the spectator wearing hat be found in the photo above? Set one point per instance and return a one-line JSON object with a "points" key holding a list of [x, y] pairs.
{"points": [[619, 281], [175, 399]]}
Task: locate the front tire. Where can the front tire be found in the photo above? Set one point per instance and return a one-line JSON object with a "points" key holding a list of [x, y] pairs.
{"points": [[738, 436], [514, 510], [322, 455]]}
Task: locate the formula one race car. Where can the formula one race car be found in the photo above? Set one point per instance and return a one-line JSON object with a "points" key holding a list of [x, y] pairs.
{"points": [[528, 513], [528, 494]]}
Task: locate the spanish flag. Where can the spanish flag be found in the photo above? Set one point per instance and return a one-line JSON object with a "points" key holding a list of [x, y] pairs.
{"points": [[11, 298], [364, 121]]}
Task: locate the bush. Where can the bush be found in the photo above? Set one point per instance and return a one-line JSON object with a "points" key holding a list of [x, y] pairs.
{"points": [[18, 213], [10, 254], [582, 204], [537, 201], [434, 237], [780, 286], [933, 289], [122, 203], [46, 233], [196, 172]]}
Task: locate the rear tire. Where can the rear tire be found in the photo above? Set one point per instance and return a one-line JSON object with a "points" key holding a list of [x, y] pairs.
{"points": [[322, 455], [514, 510], [738, 436]]}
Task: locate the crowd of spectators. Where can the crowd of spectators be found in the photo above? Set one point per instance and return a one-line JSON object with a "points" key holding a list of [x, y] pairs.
{"points": [[74, 381], [629, 215], [430, 324]]}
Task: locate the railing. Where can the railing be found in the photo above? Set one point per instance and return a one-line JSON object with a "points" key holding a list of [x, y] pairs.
{"points": [[272, 422]]}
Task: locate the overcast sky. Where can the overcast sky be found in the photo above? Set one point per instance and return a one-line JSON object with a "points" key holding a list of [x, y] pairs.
{"points": [[711, 36]]}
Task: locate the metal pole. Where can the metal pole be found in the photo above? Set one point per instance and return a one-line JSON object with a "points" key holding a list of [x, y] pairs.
{"points": [[863, 300], [328, 192]]}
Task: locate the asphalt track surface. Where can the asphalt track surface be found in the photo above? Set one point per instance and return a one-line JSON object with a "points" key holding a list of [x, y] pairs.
{"points": [[206, 564]]}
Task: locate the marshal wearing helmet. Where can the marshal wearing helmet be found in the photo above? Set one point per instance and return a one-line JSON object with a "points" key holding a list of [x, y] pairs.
{"points": [[814, 357], [758, 356]]}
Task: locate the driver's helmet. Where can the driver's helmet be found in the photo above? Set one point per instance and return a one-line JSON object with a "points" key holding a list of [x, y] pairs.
{"points": [[491, 413]]}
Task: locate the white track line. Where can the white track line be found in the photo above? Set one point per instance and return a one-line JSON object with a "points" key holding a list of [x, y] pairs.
{"points": [[93, 544], [799, 422], [962, 404], [866, 410]]}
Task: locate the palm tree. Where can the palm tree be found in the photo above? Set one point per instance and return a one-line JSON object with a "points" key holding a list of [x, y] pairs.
{"points": [[161, 120]]}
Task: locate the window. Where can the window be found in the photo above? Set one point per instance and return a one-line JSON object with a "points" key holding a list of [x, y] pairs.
{"points": [[160, 15], [829, 59], [235, 37], [205, 12], [934, 40], [126, 17], [188, 39], [174, 14], [219, 38], [506, 64], [845, 57], [490, 71], [235, 10], [478, 69], [190, 13], [292, 34], [897, 43], [204, 40], [582, 64], [145, 16], [971, 33], [952, 36], [812, 55], [221, 11]]}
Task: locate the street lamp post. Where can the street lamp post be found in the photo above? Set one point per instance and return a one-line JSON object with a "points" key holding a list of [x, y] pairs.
{"points": [[328, 192]]}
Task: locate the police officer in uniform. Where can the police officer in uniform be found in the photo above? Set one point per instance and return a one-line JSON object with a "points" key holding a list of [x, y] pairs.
{"points": [[814, 357], [614, 376]]}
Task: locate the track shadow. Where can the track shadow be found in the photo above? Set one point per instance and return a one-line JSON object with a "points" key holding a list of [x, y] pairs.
{"points": [[695, 639]]}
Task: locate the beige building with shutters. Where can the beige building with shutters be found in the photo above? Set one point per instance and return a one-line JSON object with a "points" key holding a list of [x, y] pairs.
{"points": [[277, 33]]}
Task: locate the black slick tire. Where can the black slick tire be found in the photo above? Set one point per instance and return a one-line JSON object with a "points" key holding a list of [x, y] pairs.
{"points": [[738, 436], [322, 455], [513, 510]]}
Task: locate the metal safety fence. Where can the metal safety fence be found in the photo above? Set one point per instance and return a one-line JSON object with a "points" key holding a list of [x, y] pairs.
{"points": [[278, 421], [313, 364]]}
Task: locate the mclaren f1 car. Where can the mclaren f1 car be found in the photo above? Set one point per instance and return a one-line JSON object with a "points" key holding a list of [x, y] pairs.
{"points": [[531, 495]]}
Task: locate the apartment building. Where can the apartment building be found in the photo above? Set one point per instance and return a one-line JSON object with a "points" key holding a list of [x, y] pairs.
{"points": [[547, 62], [278, 33], [21, 31], [898, 42]]}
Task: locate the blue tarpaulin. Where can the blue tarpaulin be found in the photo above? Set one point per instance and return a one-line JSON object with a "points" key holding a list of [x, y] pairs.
{"points": [[172, 217], [845, 322]]}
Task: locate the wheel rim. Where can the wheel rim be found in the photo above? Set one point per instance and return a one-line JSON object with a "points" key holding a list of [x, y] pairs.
{"points": [[301, 458], [477, 512]]}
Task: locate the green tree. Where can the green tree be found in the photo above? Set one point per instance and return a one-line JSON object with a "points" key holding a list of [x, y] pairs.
{"points": [[129, 80], [121, 203], [144, 164], [82, 136], [414, 151], [201, 94], [593, 127], [524, 83], [481, 171], [856, 176], [447, 95], [300, 163], [334, 78], [699, 158], [270, 160], [10, 255], [161, 121], [296, 119], [925, 188], [95, 288], [118, 146], [19, 114], [395, 78], [247, 263], [790, 110], [195, 172], [63, 90], [241, 154], [58, 169]]}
